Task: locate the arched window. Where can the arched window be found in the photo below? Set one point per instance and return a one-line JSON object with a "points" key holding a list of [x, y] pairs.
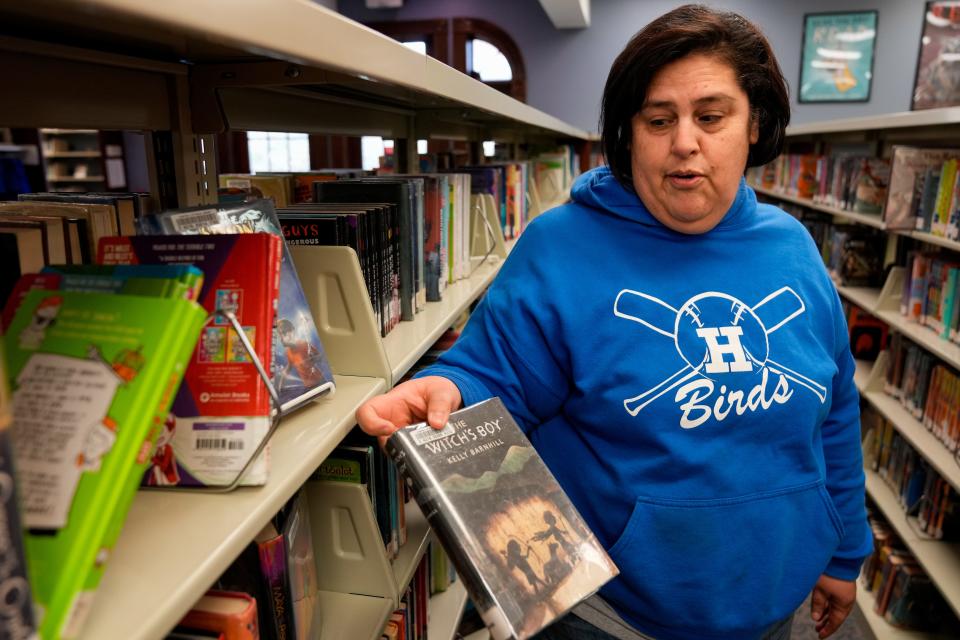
{"points": [[480, 48]]}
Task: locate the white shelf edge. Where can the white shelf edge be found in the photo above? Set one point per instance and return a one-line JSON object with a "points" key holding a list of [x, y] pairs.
{"points": [[869, 298], [947, 351], [941, 560], [924, 118], [862, 374], [880, 628], [408, 341], [860, 218], [866, 298], [217, 526], [307, 33], [929, 238], [917, 435], [348, 615], [445, 611]]}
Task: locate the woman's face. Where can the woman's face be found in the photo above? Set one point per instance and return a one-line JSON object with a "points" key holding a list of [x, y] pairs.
{"points": [[690, 143]]}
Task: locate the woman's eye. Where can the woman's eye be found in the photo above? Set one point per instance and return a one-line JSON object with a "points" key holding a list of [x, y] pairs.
{"points": [[711, 118], [658, 122]]}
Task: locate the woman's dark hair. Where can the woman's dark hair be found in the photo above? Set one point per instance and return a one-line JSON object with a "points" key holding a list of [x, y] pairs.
{"points": [[694, 29]]}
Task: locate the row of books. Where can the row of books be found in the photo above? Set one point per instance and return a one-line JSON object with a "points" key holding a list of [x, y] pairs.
{"points": [[920, 490], [409, 620], [925, 387], [915, 189], [269, 592], [850, 182], [852, 253], [929, 294], [904, 595], [97, 354]]}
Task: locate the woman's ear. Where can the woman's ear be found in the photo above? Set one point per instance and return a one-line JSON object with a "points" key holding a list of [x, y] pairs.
{"points": [[754, 126]]}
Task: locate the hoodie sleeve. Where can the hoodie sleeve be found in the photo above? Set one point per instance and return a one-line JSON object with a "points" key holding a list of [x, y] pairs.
{"points": [[844, 460], [511, 346]]}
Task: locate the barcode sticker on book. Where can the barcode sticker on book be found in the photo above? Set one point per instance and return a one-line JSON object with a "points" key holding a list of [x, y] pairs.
{"points": [[219, 443], [195, 221], [424, 433]]}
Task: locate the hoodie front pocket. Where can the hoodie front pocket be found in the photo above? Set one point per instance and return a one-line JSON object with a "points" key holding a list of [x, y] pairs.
{"points": [[726, 566]]}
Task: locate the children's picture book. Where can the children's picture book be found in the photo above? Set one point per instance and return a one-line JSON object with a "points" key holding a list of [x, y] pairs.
{"points": [[93, 377], [222, 410], [525, 555], [301, 371]]}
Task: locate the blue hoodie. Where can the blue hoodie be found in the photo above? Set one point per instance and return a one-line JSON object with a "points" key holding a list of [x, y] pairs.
{"points": [[694, 396]]}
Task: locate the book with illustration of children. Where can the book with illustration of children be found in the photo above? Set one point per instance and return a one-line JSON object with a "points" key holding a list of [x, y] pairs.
{"points": [[525, 555], [92, 376]]}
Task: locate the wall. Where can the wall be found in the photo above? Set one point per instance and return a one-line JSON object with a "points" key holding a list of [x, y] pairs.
{"points": [[566, 70]]}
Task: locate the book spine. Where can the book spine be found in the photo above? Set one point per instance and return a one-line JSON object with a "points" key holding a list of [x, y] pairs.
{"points": [[273, 566], [451, 536]]}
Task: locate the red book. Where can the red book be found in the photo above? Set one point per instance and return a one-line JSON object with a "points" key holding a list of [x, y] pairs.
{"points": [[222, 409], [232, 613]]}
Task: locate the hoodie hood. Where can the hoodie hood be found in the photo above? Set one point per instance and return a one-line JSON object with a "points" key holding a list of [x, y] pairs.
{"points": [[599, 189]]}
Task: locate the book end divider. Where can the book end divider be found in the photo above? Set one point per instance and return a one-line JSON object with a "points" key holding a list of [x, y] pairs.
{"points": [[878, 373], [892, 291], [486, 234], [333, 284], [349, 551]]}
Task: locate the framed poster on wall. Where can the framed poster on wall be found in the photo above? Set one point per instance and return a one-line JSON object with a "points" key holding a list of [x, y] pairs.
{"points": [[836, 64], [937, 81]]}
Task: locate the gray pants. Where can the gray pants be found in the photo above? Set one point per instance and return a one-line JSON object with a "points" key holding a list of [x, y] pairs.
{"points": [[605, 624]]}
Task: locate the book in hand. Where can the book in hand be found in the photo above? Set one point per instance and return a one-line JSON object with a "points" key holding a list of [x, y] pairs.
{"points": [[525, 555]]}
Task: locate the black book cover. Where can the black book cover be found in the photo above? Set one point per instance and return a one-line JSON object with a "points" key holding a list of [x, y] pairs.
{"points": [[376, 191], [525, 555]]}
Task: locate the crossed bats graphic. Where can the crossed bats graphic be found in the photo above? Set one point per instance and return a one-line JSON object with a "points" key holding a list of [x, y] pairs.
{"points": [[768, 315]]}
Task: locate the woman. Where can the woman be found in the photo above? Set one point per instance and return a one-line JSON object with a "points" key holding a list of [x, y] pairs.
{"points": [[678, 355]]}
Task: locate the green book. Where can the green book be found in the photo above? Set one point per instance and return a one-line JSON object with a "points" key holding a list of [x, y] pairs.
{"points": [[93, 376]]}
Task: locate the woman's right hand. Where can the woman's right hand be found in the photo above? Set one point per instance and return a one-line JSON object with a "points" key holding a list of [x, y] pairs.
{"points": [[429, 399]]}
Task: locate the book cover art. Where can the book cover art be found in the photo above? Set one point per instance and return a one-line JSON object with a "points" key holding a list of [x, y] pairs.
{"points": [[525, 555], [93, 375], [907, 170], [222, 409], [301, 371]]}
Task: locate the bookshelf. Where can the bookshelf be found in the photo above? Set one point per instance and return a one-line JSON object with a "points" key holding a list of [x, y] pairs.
{"points": [[193, 69], [174, 544], [933, 127]]}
